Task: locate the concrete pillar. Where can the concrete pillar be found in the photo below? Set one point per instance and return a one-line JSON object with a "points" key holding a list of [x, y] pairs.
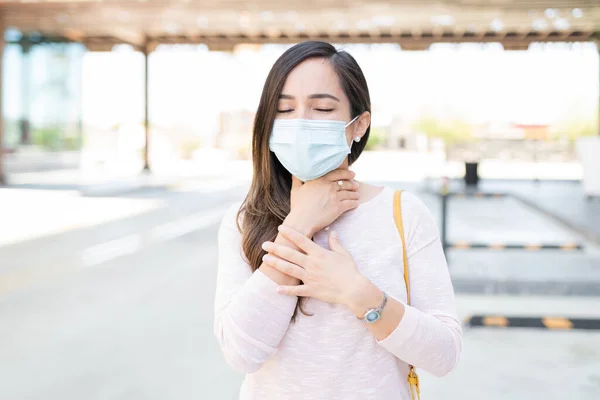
{"points": [[146, 51], [2, 173], [598, 50], [24, 123]]}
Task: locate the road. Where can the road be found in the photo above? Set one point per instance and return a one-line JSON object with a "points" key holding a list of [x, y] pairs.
{"points": [[123, 310]]}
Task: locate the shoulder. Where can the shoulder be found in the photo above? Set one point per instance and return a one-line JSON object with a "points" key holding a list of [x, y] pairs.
{"points": [[420, 225], [413, 206], [230, 219]]}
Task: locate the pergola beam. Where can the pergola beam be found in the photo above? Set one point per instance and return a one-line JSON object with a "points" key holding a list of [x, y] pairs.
{"points": [[410, 23], [406, 39]]}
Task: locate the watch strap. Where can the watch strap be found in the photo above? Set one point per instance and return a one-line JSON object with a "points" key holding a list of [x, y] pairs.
{"points": [[378, 309], [383, 302]]}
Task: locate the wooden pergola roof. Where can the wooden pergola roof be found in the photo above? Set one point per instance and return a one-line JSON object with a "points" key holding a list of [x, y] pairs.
{"points": [[414, 24]]}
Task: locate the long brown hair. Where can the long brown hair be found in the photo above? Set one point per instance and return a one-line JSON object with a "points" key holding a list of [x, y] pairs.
{"points": [[268, 201]]}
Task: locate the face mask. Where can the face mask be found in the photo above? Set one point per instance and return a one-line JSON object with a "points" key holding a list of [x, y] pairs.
{"points": [[308, 148]]}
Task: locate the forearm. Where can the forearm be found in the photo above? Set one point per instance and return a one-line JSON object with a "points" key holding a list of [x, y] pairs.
{"points": [[368, 296], [251, 318], [301, 226], [250, 328], [430, 336]]}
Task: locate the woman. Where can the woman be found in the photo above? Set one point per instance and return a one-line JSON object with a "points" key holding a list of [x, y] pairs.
{"points": [[306, 261]]}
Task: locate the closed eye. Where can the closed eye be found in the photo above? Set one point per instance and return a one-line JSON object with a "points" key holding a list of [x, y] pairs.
{"points": [[284, 111], [324, 109]]}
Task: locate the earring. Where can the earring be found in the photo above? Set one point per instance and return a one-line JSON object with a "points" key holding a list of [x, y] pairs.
{"points": [[357, 139]]}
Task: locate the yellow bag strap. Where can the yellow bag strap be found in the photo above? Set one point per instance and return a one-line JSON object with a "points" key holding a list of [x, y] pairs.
{"points": [[400, 226], [413, 379]]}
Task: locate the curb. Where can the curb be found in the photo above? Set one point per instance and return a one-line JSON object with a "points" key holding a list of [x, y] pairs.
{"points": [[549, 323], [481, 195], [513, 287], [512, 246]]}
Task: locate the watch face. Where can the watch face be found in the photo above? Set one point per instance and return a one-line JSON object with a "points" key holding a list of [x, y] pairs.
{"points": [[372, 316]]}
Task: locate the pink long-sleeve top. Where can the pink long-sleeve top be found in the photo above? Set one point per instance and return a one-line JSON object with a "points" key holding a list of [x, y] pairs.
{"points": [[332, 354]]}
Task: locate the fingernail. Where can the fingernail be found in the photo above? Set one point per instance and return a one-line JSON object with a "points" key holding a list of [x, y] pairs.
{"points": [[279, 290], [265, 246], [334, 234], [266, 258]]}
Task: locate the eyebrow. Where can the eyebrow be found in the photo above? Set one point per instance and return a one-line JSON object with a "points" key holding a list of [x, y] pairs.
{"points": [[312, 96]]}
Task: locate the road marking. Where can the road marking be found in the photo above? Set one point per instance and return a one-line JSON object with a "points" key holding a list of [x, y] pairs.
{"points": [[130, 244], [183, 226], [108, 251]]}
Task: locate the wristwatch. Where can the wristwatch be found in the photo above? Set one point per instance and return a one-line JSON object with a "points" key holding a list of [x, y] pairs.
{"points": [[374, 314]]}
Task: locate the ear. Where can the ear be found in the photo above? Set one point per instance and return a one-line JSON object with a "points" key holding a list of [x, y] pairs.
{"points": [[362, 124]]}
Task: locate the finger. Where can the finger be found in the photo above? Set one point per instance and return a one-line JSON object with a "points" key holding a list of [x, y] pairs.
{"points": [[298, 290], [348, 205], [340, 174], [334, 243], [284, 266], [304, 243], [286, 253], [296, 182], [346, 185], [348, 195]]}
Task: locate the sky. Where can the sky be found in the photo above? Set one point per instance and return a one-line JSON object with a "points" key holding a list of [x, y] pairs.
{"points": [[190, 86]]}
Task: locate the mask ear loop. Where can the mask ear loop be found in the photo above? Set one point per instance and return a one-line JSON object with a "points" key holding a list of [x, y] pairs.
{"points": [[357, 138], [350, 123]]}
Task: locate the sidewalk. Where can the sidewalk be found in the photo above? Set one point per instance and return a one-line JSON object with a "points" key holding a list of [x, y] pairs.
{"points": [[36, 160], [118, 181]]}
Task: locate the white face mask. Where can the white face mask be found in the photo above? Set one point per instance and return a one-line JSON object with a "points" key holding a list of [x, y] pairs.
{"points": [[308, 148]]}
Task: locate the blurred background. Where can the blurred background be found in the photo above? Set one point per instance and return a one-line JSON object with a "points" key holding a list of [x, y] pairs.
{"points": [[125, 131]]}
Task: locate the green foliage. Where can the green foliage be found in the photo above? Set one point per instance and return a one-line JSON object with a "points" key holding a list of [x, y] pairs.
{"points": [[54, 139], [451, 132], [377, 138], [576, 128], [189, 146], [71, 143], [47, 138]]}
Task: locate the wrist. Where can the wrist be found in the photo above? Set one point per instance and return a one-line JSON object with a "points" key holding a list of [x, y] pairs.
{"points": [[364, 296], [299, 224]]}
